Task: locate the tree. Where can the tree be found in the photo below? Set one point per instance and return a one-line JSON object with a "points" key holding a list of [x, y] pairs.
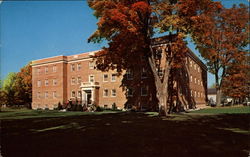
{"points": [[24, 86], [221, 37], [8, 90], [129, 26]]}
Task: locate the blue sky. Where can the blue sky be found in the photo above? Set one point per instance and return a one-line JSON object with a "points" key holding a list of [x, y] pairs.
{"points": [[31, 30]]}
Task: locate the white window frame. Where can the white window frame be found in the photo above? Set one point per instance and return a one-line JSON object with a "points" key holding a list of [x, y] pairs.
{"points": [[46, 82], [191, 78], [79, 79], [73, 82], [143, 72], [113, 76], [128, 93], [146, 90], [38, 71], [79, 66], [91, 65], [79, 96], [71, 95], [54, 95], [46, 69], [129, 73], [46, 95], [103, 77], [72, 67], [54, 82], [105, 94], [113, 94], [93, 78], [39, 83], [54, 68]]}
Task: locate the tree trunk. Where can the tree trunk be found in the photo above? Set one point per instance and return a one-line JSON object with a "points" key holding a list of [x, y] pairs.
{"points": [[218, 97]]}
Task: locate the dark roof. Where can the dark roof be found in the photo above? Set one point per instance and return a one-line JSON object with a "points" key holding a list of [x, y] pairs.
{"points": [[211, 91]]}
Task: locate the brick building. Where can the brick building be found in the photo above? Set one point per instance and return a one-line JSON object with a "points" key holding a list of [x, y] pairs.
{"points": [[74, 78]]}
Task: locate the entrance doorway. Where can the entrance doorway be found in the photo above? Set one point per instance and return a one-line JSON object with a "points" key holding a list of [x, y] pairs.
{"points": [[88, 95]]}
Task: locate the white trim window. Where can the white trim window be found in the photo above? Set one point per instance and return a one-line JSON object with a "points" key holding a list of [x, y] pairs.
{"points": [[46, 70], [195, 94], [46, 95], [191, 78], [105, 77], [195, 80], [191, 92], [143, 73], [46, 82], [144, 91], [191, 63], [79, 94], [91, 78], [54, 68], [129, 92], [79, 66], [54, 82], [79, 80], [72, 67], [194, 66], [129, 74], [113, 92], [38, 95], [113, 77], [198, 69], [91, 65], [38, 71], [73, 94], [39, 83], [54, 94], [73, 81], [105, 93]]}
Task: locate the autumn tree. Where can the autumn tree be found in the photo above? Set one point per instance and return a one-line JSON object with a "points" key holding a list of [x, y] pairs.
{"points": [[221, 37], [130, 25], [24, 86]]}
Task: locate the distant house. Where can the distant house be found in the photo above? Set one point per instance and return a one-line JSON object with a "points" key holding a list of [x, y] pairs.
{"points": [[211, 94]]}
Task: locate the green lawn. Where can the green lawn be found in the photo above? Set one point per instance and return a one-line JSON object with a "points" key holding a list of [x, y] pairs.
{"points": [[208, 132]]}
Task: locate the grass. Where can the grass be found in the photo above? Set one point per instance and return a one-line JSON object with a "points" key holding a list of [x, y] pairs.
{"points": [[208, 132]]}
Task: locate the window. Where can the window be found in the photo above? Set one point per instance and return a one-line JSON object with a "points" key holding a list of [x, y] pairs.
{"points": [[79, 66], [195, 80], [129, 74], [46, 95], [129, 92], [91, 78], [54, 82], [54, 94], [91, 65], [54, 68], [105, 77], [144, 91], [113, 93], [39, 83], [198, 82], [191, 63], [79, 94], [73, 80], [198, 69], [191, 78], [198, 94], [46, 82], [105, 92], [194, 66], [143, 73], [113, 77], [38, 95], [38, 71], [191, 93], [79, 80], [194, 93], [46, 70], [73, 94], [72, 67]]}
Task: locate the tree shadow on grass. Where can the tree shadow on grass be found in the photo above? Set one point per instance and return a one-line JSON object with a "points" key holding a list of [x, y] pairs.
{"points": [[127, 134]]}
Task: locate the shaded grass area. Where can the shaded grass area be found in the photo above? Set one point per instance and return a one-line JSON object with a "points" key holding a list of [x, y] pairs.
{"points": [[125, 134]]}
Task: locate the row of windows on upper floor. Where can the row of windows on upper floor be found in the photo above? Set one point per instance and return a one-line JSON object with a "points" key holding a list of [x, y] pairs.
{"points": [[193, 64], [196, 81], [72, 68], [46, 82]]}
